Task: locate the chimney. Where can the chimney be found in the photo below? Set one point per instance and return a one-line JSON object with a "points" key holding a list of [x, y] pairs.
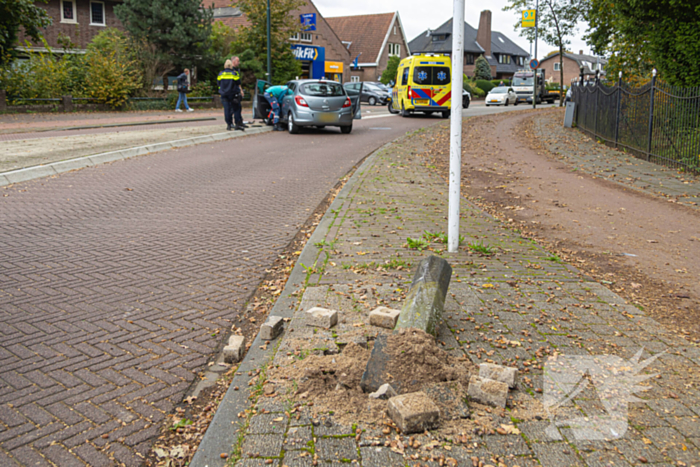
{"points": [[580, 52], [483, 35]]}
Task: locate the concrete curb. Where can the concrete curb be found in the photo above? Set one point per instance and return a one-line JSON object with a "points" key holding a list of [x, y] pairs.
{"points": [[223, 431], [55, 168]]}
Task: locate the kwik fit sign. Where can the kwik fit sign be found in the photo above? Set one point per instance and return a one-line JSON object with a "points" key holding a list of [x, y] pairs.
{"points": [[310, 53]]}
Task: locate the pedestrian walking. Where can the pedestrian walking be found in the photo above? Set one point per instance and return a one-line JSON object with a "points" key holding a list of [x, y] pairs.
{"points": [[274, 96], [183, 87], [230, 90]]}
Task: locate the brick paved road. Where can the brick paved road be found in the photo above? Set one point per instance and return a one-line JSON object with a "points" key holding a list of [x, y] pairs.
{"points": [[114, 279]]}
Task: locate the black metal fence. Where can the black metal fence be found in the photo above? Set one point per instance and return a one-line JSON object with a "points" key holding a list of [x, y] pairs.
{"points": [[657, 122]]}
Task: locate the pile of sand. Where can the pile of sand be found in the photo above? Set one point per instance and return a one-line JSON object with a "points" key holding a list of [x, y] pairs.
{"points": [[332, 382]]}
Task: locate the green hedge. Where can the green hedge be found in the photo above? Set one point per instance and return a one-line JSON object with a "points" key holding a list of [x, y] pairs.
{"points": [[496, 82], [473, 89], [484, 85]]}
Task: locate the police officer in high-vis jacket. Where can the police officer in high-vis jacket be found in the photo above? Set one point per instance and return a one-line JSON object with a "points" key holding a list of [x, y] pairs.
{"points": [[231, 94]]}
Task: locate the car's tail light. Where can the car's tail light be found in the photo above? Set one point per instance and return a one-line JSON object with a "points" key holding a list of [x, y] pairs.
{"points": [[300, 101], [348, 103], [410, 96]]}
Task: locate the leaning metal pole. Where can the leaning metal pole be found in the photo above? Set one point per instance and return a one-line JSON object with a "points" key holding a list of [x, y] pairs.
{"points": [[456, 125]]}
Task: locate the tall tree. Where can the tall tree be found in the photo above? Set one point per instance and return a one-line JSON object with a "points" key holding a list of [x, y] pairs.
{"points": [[283, 24], [179, 30], [16, 14], [392, 68], [642, 34], [557, 22]]}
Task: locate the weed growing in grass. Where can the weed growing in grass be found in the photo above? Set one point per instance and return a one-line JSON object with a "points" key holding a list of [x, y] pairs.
{"points": [[417, 244], [481, 248]]}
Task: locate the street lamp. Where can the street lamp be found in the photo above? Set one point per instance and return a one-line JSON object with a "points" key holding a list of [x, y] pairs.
{"points": [[269, 58]]}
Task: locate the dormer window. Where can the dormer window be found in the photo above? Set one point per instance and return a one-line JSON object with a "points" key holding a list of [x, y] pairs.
{"points": [[439, 37]]}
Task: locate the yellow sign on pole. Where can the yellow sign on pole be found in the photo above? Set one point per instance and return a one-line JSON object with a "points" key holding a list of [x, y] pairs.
{"points": [[529, 17]]}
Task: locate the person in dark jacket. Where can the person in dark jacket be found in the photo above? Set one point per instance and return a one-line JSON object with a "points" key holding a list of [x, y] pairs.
{"points": [[182, 89], [230, 90]]}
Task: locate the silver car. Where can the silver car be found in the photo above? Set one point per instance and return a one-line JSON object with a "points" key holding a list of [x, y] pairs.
{"points": [[319, 103]]}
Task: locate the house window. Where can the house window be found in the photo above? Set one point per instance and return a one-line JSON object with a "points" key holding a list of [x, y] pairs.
{"points": [[354, 79], [97, 14], [521, 61], [503, 59], [556, 66], [294, 37], [468, 59], [394, 50], [394, 30], [439, 38], [306, 37], [68, 13]]}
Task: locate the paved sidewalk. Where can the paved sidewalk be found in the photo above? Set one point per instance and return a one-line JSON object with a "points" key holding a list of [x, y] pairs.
{"points": [[585, 154], [24, 153], [22, 123], [518, 306]]}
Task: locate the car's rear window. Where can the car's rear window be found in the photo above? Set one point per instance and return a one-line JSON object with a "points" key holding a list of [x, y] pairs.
{"points": [[322, 89], [431, 75]]}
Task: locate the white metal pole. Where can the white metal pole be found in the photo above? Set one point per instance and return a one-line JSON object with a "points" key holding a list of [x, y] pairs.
{"points": [[456, 125]]}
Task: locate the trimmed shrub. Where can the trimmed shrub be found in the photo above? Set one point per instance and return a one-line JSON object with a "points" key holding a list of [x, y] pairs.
{"points": [[482, 69], [484, 85]]}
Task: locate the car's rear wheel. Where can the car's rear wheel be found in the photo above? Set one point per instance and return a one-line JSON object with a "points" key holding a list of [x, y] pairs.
{"points": [[465, 103], [506, 104], [346, 129], [291, 126], [404, 112], [372, 100], [446, 114]]}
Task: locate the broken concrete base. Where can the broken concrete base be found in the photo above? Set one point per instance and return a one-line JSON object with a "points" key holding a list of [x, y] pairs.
{"points": [[500, 373], [488, 391], [233, 352], [271, 328], [384, 317], [384, 392], [321, 317], [414, 412]]}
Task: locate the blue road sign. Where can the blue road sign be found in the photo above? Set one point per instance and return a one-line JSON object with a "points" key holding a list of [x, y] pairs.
{"points": [[534, 63], [308, 21]]}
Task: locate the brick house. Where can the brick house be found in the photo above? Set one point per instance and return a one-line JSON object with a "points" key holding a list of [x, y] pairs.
{"points": [[504, 56], [572, 66], [321, 52], [372, 39], [77, 20]]}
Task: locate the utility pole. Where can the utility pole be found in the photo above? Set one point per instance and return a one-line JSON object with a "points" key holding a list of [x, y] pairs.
{"points": [[534, 81], [456, 125], [269, 56]]}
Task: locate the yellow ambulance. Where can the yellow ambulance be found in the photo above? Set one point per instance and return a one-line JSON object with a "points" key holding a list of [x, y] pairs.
{"points": [[423, 84]]}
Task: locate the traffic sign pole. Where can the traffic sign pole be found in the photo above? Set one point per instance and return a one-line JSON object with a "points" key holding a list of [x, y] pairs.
{"points": [[534, 81], [456, 126]]}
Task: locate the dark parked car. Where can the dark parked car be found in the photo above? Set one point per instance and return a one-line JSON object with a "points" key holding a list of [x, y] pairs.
{"points": [[371, 92]]}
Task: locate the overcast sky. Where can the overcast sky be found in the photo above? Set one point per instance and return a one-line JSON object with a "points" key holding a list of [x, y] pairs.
{"points": [[418, 15]]}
